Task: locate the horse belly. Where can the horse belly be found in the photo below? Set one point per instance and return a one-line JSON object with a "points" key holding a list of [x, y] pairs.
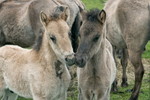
{"points": [[114, 34], [21, 35]]}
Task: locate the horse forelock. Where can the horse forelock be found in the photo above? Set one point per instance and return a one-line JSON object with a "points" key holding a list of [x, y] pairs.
{"points": [[57, 13], [92, 15], [55, 16]]}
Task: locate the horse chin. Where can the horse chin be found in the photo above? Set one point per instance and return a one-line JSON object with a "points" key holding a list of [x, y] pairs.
{"points": [[80, 60], [80, 64]]}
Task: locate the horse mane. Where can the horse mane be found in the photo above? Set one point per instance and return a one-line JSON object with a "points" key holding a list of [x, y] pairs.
{"points": [[57, 13], [38, 41], [92, 15]]}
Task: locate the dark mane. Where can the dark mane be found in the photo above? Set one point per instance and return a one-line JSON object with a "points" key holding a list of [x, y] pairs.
{"points": [[57, 13], [38, 41], [92, 15]]}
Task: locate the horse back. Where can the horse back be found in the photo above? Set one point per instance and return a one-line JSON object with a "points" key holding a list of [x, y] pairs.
{"points": [[134, 21], [15, 24], [12, 52]]}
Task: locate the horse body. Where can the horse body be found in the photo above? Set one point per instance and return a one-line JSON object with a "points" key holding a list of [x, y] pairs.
{"points": [[117, 21], [39, 73], [32, 74], [20, 19], [95, 79], [127, 26], [95, 56]]}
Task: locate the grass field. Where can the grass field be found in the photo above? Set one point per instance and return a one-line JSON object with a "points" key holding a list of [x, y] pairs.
{"points": [[123, 93]]}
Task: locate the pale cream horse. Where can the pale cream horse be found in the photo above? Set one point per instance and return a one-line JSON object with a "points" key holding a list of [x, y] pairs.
{"points": [[95, 57], [39, 73]]}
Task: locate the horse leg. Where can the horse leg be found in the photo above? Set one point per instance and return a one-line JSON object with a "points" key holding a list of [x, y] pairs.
{"points": [[39, 98], [8, 95], [114, 85], [105, 96], [80, 95], [63, 96], [124, 63], [85, 95], [135, 58]]}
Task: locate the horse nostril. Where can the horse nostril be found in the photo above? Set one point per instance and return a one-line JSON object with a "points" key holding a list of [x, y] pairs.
{"points": [[80, 62], [70, 60], [66, 59]]}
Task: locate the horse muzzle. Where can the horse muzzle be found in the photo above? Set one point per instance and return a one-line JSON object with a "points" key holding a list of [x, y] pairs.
{"points": [[80, 61], [70, 60]]}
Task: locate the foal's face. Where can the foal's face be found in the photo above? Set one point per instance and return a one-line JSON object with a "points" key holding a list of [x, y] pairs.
{"points": [[57, 34], [90, 37]]}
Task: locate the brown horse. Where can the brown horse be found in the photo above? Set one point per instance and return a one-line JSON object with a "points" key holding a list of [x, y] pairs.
{"points": [[20, 21], [127, 25], [95, 57], [39, 73]]}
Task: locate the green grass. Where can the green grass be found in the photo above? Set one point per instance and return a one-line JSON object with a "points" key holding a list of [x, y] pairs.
{"points": [[93, 3], [123, 94], [146, 54]]}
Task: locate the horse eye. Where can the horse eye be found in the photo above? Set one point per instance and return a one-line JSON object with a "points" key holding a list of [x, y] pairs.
{"points": [[95, 39], [53, 38]]}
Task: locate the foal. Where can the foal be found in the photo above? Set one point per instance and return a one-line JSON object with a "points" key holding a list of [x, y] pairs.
{"points": [[39, 73], [95, 58]]}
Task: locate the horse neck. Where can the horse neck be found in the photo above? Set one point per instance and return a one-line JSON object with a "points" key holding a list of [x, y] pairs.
{"points": [[46, 52], [101, 52], [100, 56]]}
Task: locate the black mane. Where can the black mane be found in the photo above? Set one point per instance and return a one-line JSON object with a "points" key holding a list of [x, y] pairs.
{"points": [[57, 13], [92, 15]]}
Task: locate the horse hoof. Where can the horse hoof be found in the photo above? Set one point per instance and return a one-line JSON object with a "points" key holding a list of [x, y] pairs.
{"points": [[124, 84], [133, 98], [129, 90], [114, 90]]}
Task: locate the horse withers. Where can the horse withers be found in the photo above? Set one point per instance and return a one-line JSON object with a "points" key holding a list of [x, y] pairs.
{"points": [[97, 69], [39, 73]]}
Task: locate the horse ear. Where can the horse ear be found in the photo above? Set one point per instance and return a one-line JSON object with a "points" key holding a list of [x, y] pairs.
{"points": [[65, 12], [102, 16], [43, 17]]}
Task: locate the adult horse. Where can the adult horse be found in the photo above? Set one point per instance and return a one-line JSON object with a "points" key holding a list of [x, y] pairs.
{"points": [[39, 73], [20, 21], [127, 25]]}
